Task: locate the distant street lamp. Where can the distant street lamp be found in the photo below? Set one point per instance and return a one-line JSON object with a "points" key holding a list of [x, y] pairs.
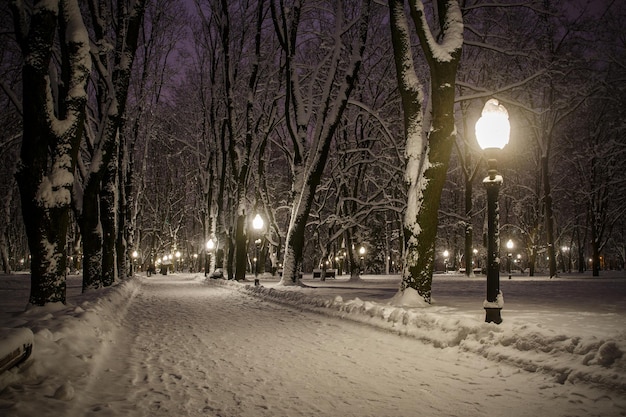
{"points": [[177, 265], [445, 260], [509, 246], [257, 225], [164, 264], [566, 252], [492, 133], [362, 254], [475, 263], [210, 245], [132, 265]]}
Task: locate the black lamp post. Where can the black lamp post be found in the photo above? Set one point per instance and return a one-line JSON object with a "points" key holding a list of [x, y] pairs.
{"points": [[210, 245], [133, 267], [257, 225], [509, 246], [362, 254], [492, 133]]}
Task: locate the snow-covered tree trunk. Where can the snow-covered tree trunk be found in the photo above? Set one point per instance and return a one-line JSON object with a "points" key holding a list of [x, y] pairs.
{"points": [[109, 202], [53, 127], [428, 147], [113, 91]]}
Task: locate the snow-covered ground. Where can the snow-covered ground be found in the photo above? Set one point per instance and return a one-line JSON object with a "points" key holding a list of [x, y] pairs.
{"points": [[178, 345]]}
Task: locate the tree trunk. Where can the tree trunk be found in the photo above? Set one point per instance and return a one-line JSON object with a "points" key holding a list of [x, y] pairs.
{"points": [[428, 148], [108, 206], [241, 246], [91, 230], [51, 137]]}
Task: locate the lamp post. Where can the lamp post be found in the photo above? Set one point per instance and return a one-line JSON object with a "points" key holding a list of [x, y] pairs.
{"points": [[132, 265], [509, 246], [177, 264], [210, 245], [257, 225], [164, 264], [475, 261], [362, 253], [445, 261], [492, 133]]}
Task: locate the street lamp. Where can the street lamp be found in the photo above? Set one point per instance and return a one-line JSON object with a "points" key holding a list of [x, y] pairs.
{"points": [[210, 245], [164, 264], [492, 133], [475, 262], [257, 225], [132, 265], [445, 260], [177, 265], [362, 253], [509, 246]]}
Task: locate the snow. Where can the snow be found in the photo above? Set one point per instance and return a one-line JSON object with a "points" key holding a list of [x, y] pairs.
{"points": [[499, 303], [14, 338], [181, 345], [452, 32]]}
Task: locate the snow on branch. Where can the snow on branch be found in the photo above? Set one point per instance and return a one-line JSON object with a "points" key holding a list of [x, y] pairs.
{"points": [[452, 31]]}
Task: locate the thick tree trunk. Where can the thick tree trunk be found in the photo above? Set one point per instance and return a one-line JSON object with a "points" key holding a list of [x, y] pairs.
{"points": [[91, 230], [46, 229], [294, 243], [241, 246], [108, 206], [49, 148], [428, 154]]}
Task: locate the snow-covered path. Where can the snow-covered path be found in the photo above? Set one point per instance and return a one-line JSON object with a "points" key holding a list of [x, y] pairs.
{"points": [[186, 348]]}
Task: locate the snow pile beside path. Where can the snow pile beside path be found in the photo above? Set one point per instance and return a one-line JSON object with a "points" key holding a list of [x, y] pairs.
{"points": [[596, 359], [66, 337]]}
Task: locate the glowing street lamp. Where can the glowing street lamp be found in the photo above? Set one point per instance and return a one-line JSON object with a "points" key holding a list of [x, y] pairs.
{"points": [[164, 264], [362, 254], [446, 254], [510, 246], [492, 133], [177, 265], [257, 225], [210, 245], [132, 265]]}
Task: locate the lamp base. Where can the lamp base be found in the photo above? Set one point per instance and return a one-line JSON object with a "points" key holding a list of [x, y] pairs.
{"points": [[493, 315]]}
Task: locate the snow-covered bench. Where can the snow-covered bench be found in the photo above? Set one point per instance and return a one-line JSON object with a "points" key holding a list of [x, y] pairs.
{"points": [[330, 273], [16, 346]]}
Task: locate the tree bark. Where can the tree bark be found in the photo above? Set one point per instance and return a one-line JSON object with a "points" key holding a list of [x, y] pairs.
{"points": [[51, 135], [428, 147]]}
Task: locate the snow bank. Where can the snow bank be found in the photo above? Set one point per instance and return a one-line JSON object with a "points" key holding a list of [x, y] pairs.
{"points": [[65, 336], [593, 359]]}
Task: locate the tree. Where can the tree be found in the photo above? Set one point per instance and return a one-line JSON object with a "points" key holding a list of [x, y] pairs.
{"points": [[97, 203], [428, 145], [54, 98], [313, 112], [163, 28]]}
